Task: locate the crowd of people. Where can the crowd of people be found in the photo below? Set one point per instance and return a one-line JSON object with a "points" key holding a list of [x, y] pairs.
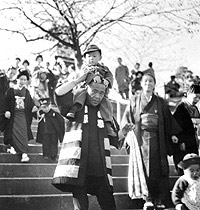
{"points": [[86, 127]]}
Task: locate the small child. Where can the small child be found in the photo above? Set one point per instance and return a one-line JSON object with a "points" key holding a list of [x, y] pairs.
{"points": [[51, 128], [96, 72], [186, 191]]}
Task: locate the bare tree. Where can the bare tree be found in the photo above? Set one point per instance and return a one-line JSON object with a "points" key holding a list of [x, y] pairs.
{"points": [[75, 23]]}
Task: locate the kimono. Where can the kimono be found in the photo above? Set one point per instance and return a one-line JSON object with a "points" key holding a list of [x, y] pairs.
{"points": [[154, 126], [18, 127], [85, 149]]}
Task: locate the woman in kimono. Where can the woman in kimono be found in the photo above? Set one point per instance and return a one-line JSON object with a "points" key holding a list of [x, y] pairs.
{"points": [[19, 105], [155, 130]]}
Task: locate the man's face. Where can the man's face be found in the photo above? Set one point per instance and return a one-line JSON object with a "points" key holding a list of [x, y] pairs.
{"points": [[92, 58], [96, 93]]}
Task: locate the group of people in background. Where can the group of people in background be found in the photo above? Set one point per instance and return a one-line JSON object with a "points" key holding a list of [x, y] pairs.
{"points": [[130, 80], [86, 127]]}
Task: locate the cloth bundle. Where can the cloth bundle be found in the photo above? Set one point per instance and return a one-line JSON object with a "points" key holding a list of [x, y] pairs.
{"points": [[137, 186]]}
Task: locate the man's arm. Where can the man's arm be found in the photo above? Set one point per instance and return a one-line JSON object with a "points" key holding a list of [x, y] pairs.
{"points": [[64, 95]]}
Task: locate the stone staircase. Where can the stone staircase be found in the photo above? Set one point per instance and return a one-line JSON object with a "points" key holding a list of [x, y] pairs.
{"points": [[27, 186]]}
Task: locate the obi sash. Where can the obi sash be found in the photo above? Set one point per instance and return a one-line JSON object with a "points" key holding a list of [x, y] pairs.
{"points": [[149, 122]]}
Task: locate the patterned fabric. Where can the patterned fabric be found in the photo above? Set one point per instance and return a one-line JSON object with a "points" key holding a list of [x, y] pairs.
{"points": [[70, 154], [137, 186], [191, 196], [149, 121]]}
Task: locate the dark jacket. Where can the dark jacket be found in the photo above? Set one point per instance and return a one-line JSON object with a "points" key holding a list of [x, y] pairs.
{"points": [[57, 125], [64, 182]]}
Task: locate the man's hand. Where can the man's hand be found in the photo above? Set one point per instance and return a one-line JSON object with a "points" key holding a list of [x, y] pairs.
{"points": [[182, 147], [128, 127], [180, 206], [35, 109], [7, 114], [174, 139]]}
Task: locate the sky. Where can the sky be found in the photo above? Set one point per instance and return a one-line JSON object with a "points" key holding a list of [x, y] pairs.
{"points": [[13, 46]]}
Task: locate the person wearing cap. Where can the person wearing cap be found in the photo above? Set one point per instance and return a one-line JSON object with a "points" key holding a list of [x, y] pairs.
{"points": [[184, 113], [96, 72], [50, 130], [84, 165], [155, 130], [122, 78], [18, 112], [172, 88], [186, 191]]}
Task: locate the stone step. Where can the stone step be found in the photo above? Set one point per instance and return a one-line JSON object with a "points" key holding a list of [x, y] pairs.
{"points": [[10, 170], [47, 169], [62, 202], [37, 148], [38, 158], [43, 186]]}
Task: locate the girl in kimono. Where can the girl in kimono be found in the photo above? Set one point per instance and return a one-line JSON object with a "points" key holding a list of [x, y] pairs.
{"points": [[19, 105], [155, 130]]}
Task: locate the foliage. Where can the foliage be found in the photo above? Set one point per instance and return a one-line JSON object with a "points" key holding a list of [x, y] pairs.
{"points": [[76, 23]]}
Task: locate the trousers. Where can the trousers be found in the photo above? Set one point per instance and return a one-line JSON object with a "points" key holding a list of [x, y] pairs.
{"points": [[96, 186]]}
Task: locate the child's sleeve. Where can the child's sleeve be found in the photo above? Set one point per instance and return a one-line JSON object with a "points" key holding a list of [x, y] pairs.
{"points": [[109, 77], [178, 190]]}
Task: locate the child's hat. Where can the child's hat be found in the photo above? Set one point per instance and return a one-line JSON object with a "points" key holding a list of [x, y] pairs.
{"points": [[91, 48], [188, 160], [44, 101]]}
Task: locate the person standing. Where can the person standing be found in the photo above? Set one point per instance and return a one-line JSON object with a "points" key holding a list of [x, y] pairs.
{"points": [[53, 79], [51, 128], [18, 111], [84, 165], [155, 130], [122, 78], [184, 113]]}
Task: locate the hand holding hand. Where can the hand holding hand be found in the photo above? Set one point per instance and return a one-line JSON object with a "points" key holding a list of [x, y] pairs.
{"points": [[97, 79], [105, 82], [7, 114], [128, 127], [174, 139]]}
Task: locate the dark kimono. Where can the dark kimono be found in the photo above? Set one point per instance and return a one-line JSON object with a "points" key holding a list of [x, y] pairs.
{"points": [[85, 149], [154, 126], [4, 85], [183, 114], [18, 128], [51, 129]]}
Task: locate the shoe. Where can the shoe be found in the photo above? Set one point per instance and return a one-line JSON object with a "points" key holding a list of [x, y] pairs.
{"points": [[11, 150], [148, 206], [160, 206], [25, 158]]}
